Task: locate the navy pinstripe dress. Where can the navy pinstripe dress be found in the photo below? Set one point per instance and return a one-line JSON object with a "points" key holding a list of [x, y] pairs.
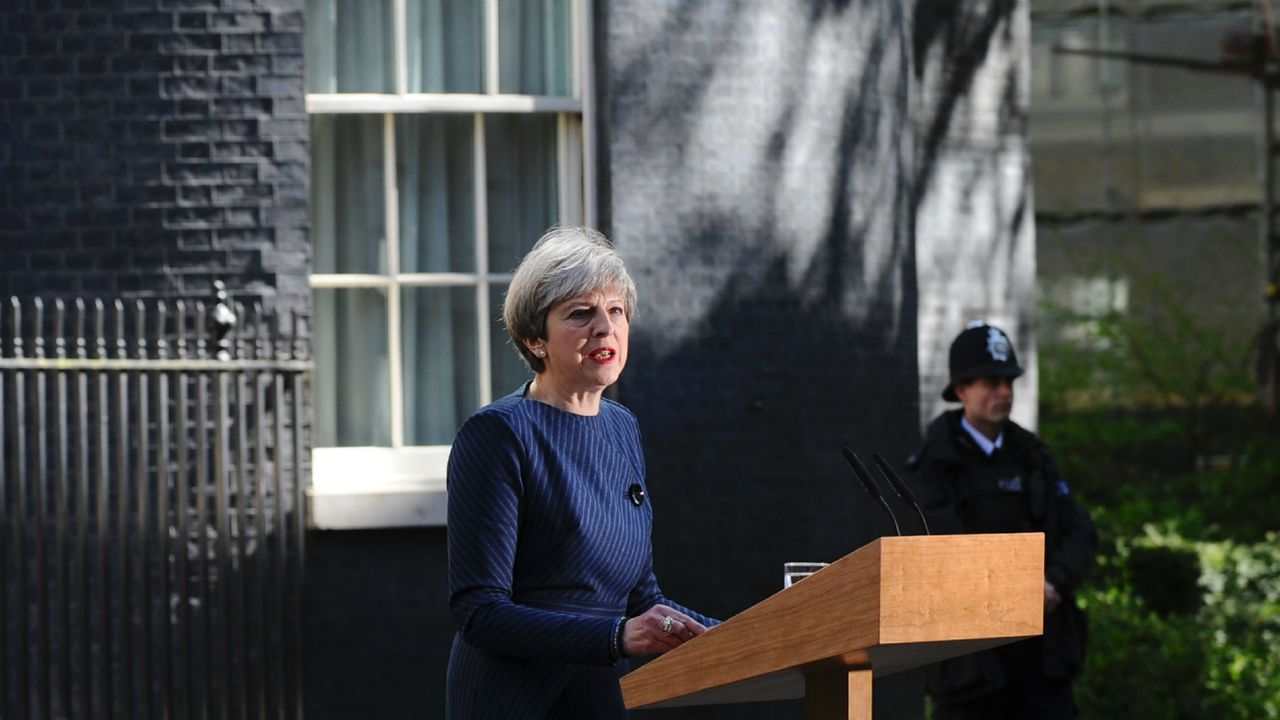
{"points": [[546, 552]]}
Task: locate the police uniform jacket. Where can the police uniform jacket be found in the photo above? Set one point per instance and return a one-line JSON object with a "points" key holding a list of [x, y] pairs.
{"points": [[1015, 489]]}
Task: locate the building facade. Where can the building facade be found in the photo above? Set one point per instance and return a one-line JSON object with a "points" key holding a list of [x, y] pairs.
{"points": [[1149, 176], [813, 198]]}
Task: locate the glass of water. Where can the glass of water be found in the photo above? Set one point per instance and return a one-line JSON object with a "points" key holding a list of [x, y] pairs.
{"points": [[794, 572]]}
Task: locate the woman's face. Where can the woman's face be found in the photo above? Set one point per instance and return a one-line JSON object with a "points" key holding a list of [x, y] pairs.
{"points": [[586, 344]]}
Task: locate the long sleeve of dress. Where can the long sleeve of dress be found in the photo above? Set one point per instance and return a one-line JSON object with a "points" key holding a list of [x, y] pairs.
{"points": [[484, 506]]}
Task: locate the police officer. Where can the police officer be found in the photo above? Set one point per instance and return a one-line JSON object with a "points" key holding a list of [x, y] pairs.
{"points": [[980, 472]]}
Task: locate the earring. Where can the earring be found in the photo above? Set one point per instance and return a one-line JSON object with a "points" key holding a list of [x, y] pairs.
{"points": [[542, 352]]}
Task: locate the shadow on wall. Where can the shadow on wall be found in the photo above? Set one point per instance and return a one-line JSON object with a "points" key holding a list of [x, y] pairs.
{"points": [[955, 46], [764, 167], [774, 134], [974, 236], [952, 46], [763, 206]]}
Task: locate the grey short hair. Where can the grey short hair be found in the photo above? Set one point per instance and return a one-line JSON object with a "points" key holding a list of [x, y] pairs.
{"points": [[565, 263]]}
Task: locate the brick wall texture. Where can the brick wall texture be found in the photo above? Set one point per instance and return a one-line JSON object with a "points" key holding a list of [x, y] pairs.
{"points": [[148, 147], [760, 186], [812, 198]]}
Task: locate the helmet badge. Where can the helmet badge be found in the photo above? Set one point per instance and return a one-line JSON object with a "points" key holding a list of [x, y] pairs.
{"points": [[997, 345]]}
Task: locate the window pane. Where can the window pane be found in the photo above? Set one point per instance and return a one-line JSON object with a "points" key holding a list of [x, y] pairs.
{"points": [[436, 179], [445, 45], [349, 46], [348, 213], [440, 362], [521, 164], [534, 49], [352, 378], [508, 370]]}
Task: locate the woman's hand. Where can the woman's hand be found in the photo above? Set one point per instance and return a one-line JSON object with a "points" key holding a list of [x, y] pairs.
{"points": [[658, 630]]}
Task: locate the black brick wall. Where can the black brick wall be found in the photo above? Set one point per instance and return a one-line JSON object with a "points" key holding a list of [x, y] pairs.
{"points": [[378, 629], [148, 147], [759, 183]]}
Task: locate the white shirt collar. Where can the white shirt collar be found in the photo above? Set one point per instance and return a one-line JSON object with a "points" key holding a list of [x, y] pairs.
{"points": [[985, 443]]}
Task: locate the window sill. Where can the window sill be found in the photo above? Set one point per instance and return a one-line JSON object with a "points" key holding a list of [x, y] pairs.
{"points": [[439, 102], [371, 487]]}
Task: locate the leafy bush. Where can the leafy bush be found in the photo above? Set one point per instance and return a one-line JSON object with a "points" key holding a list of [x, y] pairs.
{"points": [[1148, 659], [1140, 664], [1154, 420], [1244, 676]]}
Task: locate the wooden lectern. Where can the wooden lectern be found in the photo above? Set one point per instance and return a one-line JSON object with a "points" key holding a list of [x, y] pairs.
{"points": [[893, 604]]}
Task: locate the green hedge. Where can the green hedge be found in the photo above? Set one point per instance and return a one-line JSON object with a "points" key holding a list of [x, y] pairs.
{"points": [[1184, 629], [1155, 422]]}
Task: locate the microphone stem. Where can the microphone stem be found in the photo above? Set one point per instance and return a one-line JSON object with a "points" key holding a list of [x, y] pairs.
{"points": [[888, 510], [923, 522]]}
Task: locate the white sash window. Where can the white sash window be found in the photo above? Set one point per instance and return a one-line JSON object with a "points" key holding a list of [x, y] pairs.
{"points": [[446, 136]]}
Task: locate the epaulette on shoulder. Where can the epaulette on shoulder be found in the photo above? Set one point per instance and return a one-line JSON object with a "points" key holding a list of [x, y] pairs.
{"points": [[914, 460]]}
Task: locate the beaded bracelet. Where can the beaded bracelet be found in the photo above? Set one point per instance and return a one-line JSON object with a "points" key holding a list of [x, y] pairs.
{"points": [[616, 649]]}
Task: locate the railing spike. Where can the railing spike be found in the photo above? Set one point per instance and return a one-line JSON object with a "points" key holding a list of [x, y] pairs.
{"points": [[122, 347], [162, 343], [140, 327], [37, 320], [202, 342], [59, 326], [16, 305], [223, 319], [99, 328], [180, 327], [82, 348]]}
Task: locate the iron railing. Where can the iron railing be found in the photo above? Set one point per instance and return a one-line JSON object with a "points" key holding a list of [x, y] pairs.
{"points": [[151, 510]]}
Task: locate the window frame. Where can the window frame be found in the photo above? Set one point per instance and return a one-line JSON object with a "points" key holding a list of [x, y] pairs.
{"points": [[404, 485]]}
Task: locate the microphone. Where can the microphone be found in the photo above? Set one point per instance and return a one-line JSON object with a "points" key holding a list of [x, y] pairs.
{"points": [[900, 486], [860, 471]]}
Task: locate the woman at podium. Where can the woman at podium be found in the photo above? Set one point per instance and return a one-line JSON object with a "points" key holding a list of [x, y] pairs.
{"points": [[551, 581]]}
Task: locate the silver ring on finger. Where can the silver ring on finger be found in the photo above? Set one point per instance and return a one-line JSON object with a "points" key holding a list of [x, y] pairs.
{"points": [[668, 623]]}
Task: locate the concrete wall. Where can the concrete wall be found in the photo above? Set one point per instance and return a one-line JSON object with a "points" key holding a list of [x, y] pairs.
{"points": [[975, 230]]}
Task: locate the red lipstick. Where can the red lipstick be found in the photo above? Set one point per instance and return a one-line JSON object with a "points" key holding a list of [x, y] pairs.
{"points": [[603, 355]]}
